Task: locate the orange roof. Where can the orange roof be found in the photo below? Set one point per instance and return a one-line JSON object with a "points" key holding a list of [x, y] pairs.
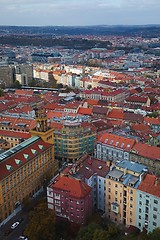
{"points": [[74, 187], [24, 92], [147, 151], [116, 114], [154, 121], [116, 141], [14, 134], [54, 114], [92, 102], [151, 185], [85, 111]]}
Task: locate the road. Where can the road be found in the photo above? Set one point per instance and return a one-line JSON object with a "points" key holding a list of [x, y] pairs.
{"points": [[6, 233]]}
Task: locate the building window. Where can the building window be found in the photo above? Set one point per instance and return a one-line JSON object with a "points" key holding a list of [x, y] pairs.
{"points": [[139, 217], [139, 224], [156, 201], [155, 224], [154, 216], [155, 209]]}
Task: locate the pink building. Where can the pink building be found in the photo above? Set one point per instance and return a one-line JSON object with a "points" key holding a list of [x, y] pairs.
{"points": [[70, 199]]}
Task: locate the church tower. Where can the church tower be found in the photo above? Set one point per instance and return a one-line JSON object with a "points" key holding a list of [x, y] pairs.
{"points": [[42, 129]]}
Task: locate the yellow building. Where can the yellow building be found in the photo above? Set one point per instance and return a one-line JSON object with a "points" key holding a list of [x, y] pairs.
{"points": [[72, 139], [121, 186], [25, 168]]}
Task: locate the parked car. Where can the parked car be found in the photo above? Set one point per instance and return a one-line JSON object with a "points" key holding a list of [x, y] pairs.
{"points": [[22, 238], [14, 225]]}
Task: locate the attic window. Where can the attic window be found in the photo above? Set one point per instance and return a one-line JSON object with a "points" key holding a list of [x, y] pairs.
{"points": [[33, 151], [17, 161], [128, 146], [111, 141], [116, 144], [41, 147], [9, 167], [122, 145], [26, 156], [106, 140]]}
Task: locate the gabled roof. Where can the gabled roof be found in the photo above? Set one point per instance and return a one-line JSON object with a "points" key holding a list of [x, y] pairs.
{"points": [[116, 114], [85, 111], [151, 185], [147, 151], [116, 141], [74, 187], [15, 157]]}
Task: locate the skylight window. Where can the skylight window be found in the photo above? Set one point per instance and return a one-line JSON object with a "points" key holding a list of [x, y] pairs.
{"points": [[122, 145], [33, 151], [26, 156], [17, 161], [116, 144], [9, 167], [41, 147]]}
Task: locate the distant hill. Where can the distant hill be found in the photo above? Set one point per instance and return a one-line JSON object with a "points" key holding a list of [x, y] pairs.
{"points": [[121, 30]]}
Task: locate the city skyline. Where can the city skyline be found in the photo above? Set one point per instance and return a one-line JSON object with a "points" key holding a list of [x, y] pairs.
{"points": [[74, 13]]}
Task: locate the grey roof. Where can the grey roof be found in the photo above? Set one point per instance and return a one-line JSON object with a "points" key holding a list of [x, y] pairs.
{"points": [[133, 166], [115, 173]]}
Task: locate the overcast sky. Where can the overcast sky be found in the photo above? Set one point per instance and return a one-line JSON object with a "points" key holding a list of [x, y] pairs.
{"points": [[79, 12]]}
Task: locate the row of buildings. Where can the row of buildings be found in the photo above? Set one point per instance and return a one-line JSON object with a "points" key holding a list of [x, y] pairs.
{"points": [[125, 193]]}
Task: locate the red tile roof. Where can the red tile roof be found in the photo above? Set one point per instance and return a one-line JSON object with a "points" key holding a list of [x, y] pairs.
{"points": [[15, 134], [151, 185], [116, 141], [147, 151], [116, 114], [22, 156], [85, 111], [74, 187]]}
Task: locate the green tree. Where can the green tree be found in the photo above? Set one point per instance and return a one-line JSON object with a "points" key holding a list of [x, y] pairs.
{"points": [[41, 223], [100, 234], [87, 233], [16, 85], [155, 235]]}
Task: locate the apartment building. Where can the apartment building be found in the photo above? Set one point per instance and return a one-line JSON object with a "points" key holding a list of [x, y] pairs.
{"points": [[148, 155], [25, 168], [93, 172], [121, 186], [148, 203], [113, 147], [71, 199], [73, 138]]}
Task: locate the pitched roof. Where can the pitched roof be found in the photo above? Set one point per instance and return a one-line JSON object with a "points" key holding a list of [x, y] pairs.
{"points": [[74, 187], [85, 111], [116, 141], [151, 185], [15, 157], [147, 151], [116, 114]]}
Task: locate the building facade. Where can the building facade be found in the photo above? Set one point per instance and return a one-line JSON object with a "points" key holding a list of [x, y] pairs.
{"points": [[121, 185], [73, 139], [113, 147], [148, 204], [71, 199], [23, 170]]}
